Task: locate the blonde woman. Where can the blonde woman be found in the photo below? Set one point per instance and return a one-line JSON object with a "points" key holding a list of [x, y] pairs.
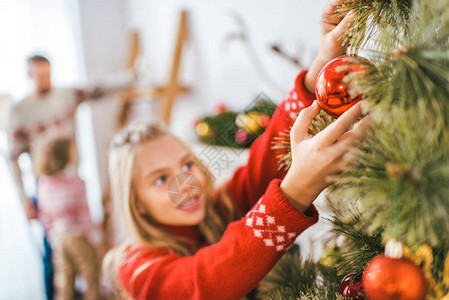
{"points": [[181, 239]]}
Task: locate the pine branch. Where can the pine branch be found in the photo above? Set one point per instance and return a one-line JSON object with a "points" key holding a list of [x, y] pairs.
{"points": [[415, 66], [293, 278], [440, 253], [327, 292], [402, 176], [372, 16], [361, 245], [323, 293], [281, 144], [320, 122], [290, 272]]}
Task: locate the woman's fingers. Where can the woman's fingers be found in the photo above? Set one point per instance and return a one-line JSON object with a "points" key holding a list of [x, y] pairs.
{"points": [[331, 179], [300, 129], [351, 139], [340, 166], [336, 23], [363, 126], [334, 131], [344, 144], [329, 16], [343, 26]]}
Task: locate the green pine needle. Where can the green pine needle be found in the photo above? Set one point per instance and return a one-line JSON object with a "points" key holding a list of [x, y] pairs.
{"points": [[320, 122], [415, 66], [361, 245], [293, 278], [374, 15], [402, 176], [327, 292], [290, 271]]}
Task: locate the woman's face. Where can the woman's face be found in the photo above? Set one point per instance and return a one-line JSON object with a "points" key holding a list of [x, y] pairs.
{"points": [[169, 184]]}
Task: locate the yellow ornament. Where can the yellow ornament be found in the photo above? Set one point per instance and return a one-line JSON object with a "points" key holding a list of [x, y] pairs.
{"points": [[424, 257], [203, 129], [446, 273], [330, 257], [252, 124], [249, 122]]}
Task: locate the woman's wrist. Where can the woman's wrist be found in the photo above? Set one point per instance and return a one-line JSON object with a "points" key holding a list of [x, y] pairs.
{"points": [[300, 198], [310, 78]]}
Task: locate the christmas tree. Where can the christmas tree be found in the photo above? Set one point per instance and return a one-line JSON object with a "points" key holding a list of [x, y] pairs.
{"points": [[392, 206]]}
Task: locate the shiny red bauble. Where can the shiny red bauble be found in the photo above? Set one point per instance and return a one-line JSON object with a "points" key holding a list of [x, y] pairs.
{"points": [[331, 91], [220, 108], [351, 287], [387, 278]]}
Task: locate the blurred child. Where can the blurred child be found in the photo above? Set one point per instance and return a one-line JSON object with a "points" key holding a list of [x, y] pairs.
{"points": [[182, 239], [65, 215]]}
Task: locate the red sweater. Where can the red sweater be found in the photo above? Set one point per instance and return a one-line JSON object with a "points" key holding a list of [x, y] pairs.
{"points": [[249, 248]]}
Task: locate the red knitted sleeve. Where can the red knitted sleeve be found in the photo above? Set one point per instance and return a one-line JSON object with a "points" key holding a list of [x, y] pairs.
{"points": [[250, 181], [228, 269]]}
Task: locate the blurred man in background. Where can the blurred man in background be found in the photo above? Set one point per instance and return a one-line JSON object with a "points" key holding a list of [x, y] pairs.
{"points": [[47, 111], [46, 114]]}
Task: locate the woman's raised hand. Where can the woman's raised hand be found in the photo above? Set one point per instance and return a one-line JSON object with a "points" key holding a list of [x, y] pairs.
{"points": [[319, 161], [332, 28]]}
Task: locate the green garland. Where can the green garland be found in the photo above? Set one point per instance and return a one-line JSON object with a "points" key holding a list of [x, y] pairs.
{"points": [[222, 128]]}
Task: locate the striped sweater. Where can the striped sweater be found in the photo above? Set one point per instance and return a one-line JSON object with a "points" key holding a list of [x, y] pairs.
{"points": [[63, 205]]}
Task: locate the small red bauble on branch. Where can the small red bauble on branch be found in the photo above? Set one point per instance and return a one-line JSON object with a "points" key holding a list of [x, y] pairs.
{"points": [[351, 287], [220, 108], [393, 277], [331, 90]]}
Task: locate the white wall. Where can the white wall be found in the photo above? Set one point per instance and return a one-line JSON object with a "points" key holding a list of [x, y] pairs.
{"points": [[21, 246], [215, 70], [220, 72], [46, 27], [103, 36]]}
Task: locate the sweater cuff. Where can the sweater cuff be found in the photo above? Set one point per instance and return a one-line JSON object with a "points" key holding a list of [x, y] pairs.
{"points": [[302, 92], [276, 221]]}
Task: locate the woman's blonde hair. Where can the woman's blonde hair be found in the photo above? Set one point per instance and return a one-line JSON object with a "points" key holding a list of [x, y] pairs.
{"points": [[142, 230]]}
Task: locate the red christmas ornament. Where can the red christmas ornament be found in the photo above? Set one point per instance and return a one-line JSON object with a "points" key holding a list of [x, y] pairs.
{"points": [[351, 287], [264, 120], [387, 278], [330, 89], [220, 108]]}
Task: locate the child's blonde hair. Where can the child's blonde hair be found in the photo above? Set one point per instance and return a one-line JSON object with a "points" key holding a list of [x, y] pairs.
{"points": [[127, 220]]}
